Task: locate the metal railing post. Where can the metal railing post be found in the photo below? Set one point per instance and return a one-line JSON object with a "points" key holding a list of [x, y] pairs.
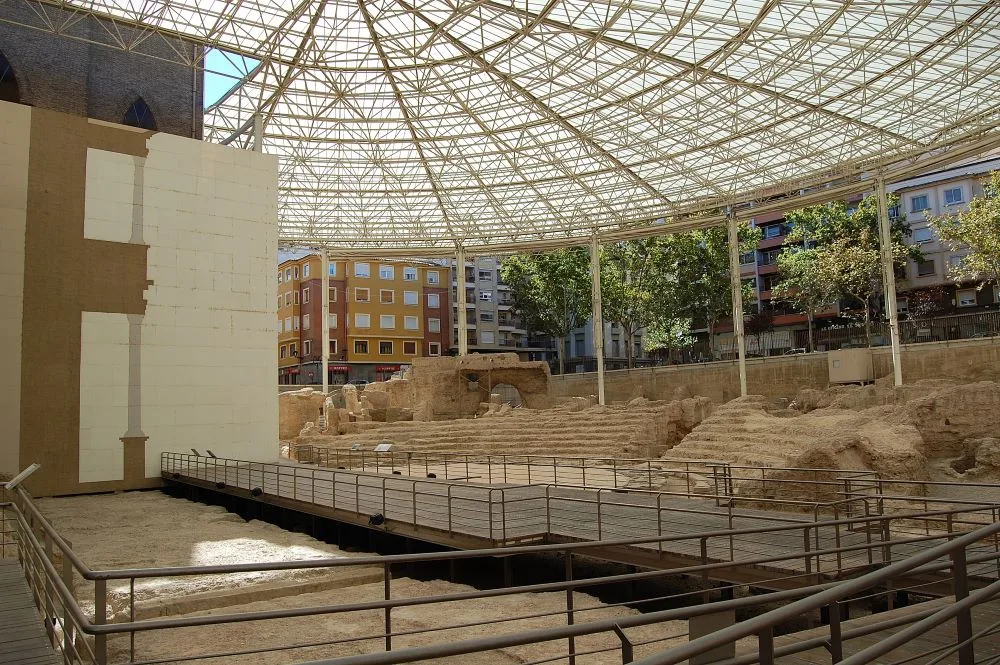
{"points": [[569, 606], [387, 576], [963, 620], [100, 618], [598, 513], [765, 646], [131, 618], [836, 641]]}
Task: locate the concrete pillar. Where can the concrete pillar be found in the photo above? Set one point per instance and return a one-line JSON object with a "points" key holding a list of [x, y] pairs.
{"points": [[258, 132], [463, 322], [325, 315], [736, 284], [888, 277], [595, 278]]}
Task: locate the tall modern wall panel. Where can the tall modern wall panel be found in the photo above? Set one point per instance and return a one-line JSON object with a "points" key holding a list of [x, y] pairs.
{"points": [[139, 265]]}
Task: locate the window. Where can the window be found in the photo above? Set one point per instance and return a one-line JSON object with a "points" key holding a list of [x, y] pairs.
{"points": [[385, 348], [409, 274], [288, 323], [953, 196], [487, 337], [894, 211], [956, 260], [411, 298], [138, 114], [386, 272], [295, 323], [486, 316], [434, 348], [770, 257], [295, 272], [748, 257], [362, 295], [409, 348], [361, 346], [288, 274], [433, 300], [288, 299], [282, 351], [772, 231], [362, 320], [305, 270], [903, 306], [486, 296], [362, 270], [333, 295], [965, 297], [279, 277], [411, 323], [293, 350], [305, 322], [923, 235], [332, 269], [386, 296], [333, 347], [295, 297], [918, 203], [305, 295], [433, 277], [307, 347], [485, 275], [331, 320], [925, 268], [434, 325], [387, 321]]}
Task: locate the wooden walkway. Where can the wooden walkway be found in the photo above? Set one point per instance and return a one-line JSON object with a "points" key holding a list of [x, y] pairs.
{"points": [[22, 634], [472, 516]]}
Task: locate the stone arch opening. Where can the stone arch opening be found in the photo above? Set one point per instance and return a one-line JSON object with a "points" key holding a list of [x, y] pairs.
{"points": [[10, 91], [138, 114], [508, 394]]}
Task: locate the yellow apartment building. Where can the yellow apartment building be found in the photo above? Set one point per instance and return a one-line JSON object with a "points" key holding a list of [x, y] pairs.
{"points": [[378, 317]]}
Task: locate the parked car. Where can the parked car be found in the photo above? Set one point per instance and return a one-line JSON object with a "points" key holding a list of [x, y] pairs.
{"points": [[795, 351]]}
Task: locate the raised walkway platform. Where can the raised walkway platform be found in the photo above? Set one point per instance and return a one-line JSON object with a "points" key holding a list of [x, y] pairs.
{"points": [[23, 640]]}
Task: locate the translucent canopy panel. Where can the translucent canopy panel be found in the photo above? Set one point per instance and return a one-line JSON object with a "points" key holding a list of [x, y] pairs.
{"points": [[417, 124]]}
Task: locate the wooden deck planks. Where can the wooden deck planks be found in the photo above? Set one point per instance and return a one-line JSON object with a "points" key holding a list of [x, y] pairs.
{"points": [[23, 640]]}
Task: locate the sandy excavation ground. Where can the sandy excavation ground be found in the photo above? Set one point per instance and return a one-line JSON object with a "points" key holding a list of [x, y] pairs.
{"points": [[146, 529]]}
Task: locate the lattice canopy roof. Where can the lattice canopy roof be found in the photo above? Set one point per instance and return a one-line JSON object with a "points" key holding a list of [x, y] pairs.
{"points": [[416, 124]]}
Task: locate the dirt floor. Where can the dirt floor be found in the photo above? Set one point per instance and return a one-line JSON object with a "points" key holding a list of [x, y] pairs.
{"points": [[146, 529]]}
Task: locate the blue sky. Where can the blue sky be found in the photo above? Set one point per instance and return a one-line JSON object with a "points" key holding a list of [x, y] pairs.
{"points": [[222, 71]]}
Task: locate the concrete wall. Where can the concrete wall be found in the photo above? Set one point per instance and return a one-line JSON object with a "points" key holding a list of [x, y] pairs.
{"points": [[147, 318], [783, 376], [71, 75]]}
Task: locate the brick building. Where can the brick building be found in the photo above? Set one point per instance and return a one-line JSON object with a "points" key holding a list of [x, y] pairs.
{"points": [[75, 74]]}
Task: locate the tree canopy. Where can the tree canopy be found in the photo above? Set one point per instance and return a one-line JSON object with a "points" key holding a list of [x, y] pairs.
{"points": [[976, 232]]}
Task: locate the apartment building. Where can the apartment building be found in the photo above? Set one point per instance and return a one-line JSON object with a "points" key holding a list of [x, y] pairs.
{"points": [[383, 313], [932, 194], [579, 345]]}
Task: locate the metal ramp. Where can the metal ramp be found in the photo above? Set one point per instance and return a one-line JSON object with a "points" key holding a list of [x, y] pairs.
{"points": [[23, 640]]}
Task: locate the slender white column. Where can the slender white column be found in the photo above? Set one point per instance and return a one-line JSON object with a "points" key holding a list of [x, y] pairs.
{"points": [[325, 315], [888, 277], [463, 322], [736, 284], [595, 278], [258, 132]]}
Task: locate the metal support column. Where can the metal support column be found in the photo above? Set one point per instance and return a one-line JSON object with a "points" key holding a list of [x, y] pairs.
{"points": [[325, 316], [888, 277], [463, 322], [595, 278], [736, 284]]}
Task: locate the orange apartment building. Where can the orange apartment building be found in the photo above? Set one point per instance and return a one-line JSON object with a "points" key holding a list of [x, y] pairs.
{"points": [[383, 313]]}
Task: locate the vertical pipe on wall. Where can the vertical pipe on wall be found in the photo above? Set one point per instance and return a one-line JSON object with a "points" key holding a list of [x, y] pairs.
{"points": [[736, 284], [325, 316], [888, 276], [595, 277], [463, 322]]}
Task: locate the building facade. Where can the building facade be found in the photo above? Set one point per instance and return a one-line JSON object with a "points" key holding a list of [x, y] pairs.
{"points": [[74, 74], [382, 314]]}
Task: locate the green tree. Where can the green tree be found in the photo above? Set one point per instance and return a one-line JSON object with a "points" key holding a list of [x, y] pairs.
{"points": [[633, 278], [666, 335], [847, 259], [699, 264], [552, 291], [803, 285], [976, 231]]}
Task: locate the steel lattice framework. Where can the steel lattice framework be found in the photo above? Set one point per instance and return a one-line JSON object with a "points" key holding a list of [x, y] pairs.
{"points": [[414, 125]]}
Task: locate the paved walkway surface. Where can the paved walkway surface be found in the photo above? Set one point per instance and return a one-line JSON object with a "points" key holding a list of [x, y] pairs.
{"points": [[22, 635]]}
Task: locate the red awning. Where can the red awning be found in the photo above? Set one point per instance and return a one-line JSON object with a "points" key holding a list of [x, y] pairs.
{"points": [[294, 370], [339, 369], [387, 368]]}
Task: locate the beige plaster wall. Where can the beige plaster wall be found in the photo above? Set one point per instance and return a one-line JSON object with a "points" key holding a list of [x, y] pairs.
{"points": [[783, 376], [15, 136]]}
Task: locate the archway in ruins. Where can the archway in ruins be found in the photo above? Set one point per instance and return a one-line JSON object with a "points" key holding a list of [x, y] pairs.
{"points": [[508, 394]]}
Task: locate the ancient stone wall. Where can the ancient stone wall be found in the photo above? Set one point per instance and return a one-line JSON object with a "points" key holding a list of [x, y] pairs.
{"points": [[784, 376]]}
